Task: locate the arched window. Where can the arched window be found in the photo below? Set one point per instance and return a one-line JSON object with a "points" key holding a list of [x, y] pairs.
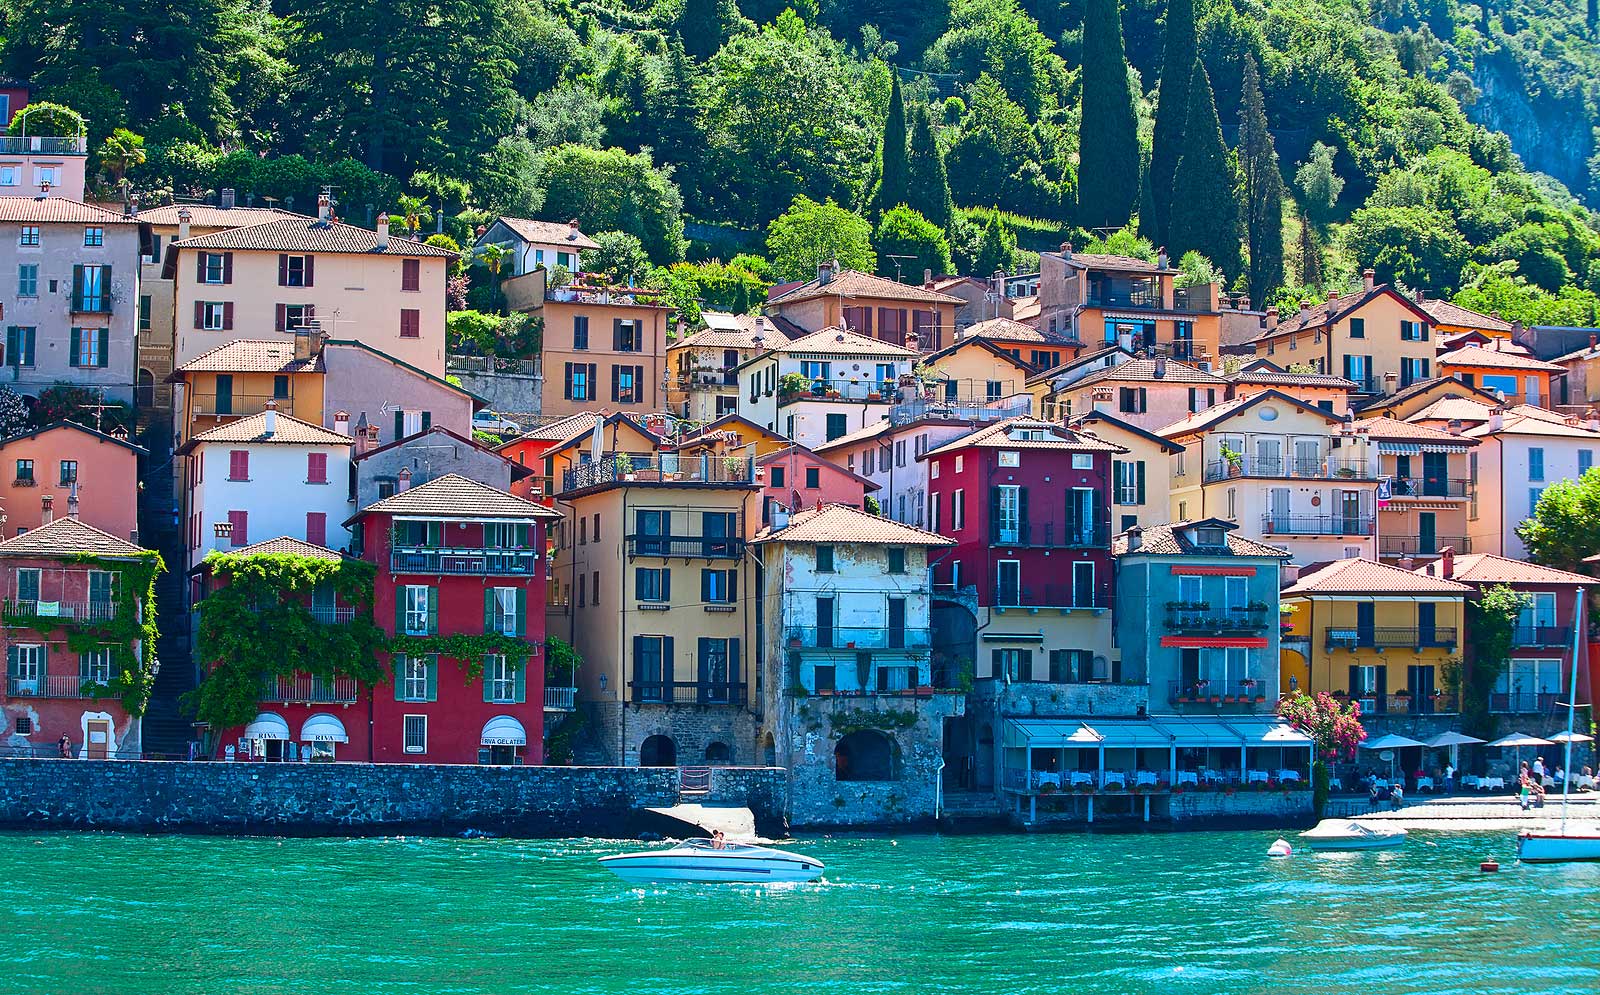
{"points": [[718, 753], [866, 755], [658, 751], [769, 750]]}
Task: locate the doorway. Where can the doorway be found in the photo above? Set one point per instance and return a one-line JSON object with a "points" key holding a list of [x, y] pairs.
{"points": [[658, 751], [97, 739]]}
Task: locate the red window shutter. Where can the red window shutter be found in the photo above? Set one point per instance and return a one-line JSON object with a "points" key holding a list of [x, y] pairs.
{"points": [[317, 468], [239, 464], [410, 323], [227, 267], [411, 274], [317, 528], [199, 314], [283, 269], [281, 316], [241, 527], [227, 315], [311, 270]]}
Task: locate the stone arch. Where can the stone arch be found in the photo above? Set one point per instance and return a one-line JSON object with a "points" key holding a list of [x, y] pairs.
{"points": [[658, 751], [144, 394], [718, 752], [769, 750], [866, 755]]}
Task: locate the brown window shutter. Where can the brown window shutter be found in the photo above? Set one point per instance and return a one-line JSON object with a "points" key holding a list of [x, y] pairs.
{"points": [[280, 316], [311, 270], [566, 384], [227, 267], [638, 384], [199, 267], [283, 269], [199, 314], [227, 315]]}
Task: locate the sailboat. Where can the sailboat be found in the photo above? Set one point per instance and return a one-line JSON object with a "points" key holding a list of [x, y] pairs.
{"points": [[1569, 841]]}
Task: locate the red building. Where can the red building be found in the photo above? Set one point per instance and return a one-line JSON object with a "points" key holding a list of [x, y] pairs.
{"points": [[529, 450], [1029, 505], [457, 558], [61, 581]]}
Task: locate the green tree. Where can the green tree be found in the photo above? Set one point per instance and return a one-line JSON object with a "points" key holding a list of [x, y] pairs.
{"points": [[1415, 245], [904, 232], [1260, 192], [121, 151], [1491, 619], [42, 117], [1172, 113], [621, 257], [1108, 141], [809, 233], [894, 174], [996, 148], [612, 190], [1310, 255], [1205, 216], [703, 25], [927, 184], [997, 248], [1564, 528], [1319, 185]]}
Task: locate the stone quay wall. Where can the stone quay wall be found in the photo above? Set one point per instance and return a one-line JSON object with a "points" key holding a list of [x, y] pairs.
{"points": [[365, 799]]}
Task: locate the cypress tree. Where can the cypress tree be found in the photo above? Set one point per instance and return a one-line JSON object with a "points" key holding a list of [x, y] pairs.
{"points": [[1205, 217], [893, 170], [703, 25], [1260, 190], [1310, 255], [1172, 110], [1108, 140], [927, 183]]}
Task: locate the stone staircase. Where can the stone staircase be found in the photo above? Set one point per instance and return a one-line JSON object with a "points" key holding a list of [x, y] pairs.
{"points": [[166, 727]]}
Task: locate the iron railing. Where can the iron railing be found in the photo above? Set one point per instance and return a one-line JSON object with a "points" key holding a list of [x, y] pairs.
{"points": [[1523, 702], [53, 686], [1050, 535], [560, 699], [1194, 692], [1430, 487], [857, 637], [1389, 637], [686, 693], [843, 390], [309, 690], [693, 547], [333, 616], [975, 409], [67, 611], [664, 468], [1279, 467], [1542, 635], [1317, 525], [473, 561], [1216, 622], [236, 405], [1043, 596], [43, 145], [1409, 545]]}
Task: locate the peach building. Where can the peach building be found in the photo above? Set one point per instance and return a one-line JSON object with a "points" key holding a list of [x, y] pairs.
{"points": [[70, 469], [603, 347], [869, 305]]}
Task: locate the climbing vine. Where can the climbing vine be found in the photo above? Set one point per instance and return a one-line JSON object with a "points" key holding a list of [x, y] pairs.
{"points": [[466, 648], [888, 720], [260, 625], [132, 623]]}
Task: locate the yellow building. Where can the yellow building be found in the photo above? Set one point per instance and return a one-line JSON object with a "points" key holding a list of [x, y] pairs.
{"points": [[653, 589], [1324, 390], [238, 379], [733, 435], [1453, 319], [702, 369], [1024, 342], [1375, 337], [977, 369], [619, 433], [1141, 480], [1376, 633]]}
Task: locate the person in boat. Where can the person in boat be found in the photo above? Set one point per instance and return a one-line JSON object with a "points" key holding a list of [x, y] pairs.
{"points": [[718, 841]]}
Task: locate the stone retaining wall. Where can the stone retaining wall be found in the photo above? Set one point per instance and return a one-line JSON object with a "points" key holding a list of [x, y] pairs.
{"points": [[363, 799]]}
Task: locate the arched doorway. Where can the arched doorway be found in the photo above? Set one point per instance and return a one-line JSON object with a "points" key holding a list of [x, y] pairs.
{"points": [[658, 751], [769, 750], [866, 755], [718, 753], [959, 764], [144, 395]]}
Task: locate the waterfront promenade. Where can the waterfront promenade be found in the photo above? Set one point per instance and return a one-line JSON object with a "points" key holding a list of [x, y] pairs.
{"points": [[1471, 812]]}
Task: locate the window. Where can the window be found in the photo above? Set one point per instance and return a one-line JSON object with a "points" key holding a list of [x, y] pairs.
{"points": [[625, 384], [580, 381], [411, 275], [1189, 589], [316, 468], [1585, 461], [417, 603], [295, 271], [28, 583], [580, 332], [1413, 331], [595, 600], [296, 316], [1534, 493], [718, 587], [837, 426], [88, 347], [24, 471], [813, 369], [239, 464], [1013, 665], [155, 249], [20, 341], [628, 335], [28, 280], [1009, 509], [1536, 463], [1132, 400], [501, 680], [94, 236], [317, 528], [869, 461], [24, 722], [214, 267], [652, 584], [144, 313], [47, 174], [280, 387], [813, 477], [213, 316], [1083, 461], [897, 559], [958, 510], [10, 176], [1358, 328], [410, 323], [69, 472], [1128, 481], [775, 474], [651, 668], [30, 235], [824, 559], [416, 734]]}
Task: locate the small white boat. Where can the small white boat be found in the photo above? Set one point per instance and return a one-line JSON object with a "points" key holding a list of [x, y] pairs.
{"points": [[1280, 848], [1349, 834], [1574, 841], [701, 860]]}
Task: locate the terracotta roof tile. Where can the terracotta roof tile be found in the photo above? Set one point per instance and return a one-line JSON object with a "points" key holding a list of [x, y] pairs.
{"points": [[1450, 385], [1390, 429], [1026, 309], [852, 283], [1476, 355], [253, 356], [289, 431], [1267, 373], [549, 232], [1445, 313], [58, 210], [288, 544], [1005, 328], [66, 537], [1057, 436], [455, 496], [562, 429], [731, 331], [1171, 540], [1362, 576], [859, 435], [838, 523], [211, 216], [297, 234], [844, 342], [1522, 421], [1454, 408], [1151, 370], [1487, 568]]}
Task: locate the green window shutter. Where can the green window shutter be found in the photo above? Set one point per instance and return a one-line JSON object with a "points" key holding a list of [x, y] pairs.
{"points": [[705, 587], [666, 662], [433, 677], [1116, 479], [76, 341], [104, 355], [83, 666], [12, 346], [400, 610], [435, 535], [733, 661], [488, 609], [433, 610], [427, 420], [522, 612], [399, 678], [77, 285], [488, 684], [520, 693], [399, 425], [1140, 484], [666, 583], [44, 663], [11, 661]]}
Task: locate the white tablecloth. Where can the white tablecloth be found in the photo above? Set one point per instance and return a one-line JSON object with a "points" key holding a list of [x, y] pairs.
{"points": [[1257, 775], [1147, 777], [1081, 777], [1043, 777], [1336, 783], [1288, 775], [1114, 777], [1425, 782], [1188, 777]]}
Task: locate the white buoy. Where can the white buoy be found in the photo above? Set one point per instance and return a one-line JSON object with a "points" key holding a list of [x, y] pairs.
{"points": [[1280, 848]]}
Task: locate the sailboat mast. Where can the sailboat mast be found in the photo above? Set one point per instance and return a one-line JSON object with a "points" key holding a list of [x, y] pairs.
{"points": [[1578, 625]]}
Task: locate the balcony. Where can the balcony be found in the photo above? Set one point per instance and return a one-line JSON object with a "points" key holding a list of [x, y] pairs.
{"points": [[1388, 637], [560, 699], [1239, 697], [51, 686], [90, 303], [1542, 636], [43, 145], [808, 637], [1278, 468], [1317, 525], [308, 690], [706, 380], [1049, 535], [66, 611], [1222, 621], [1406, 545], [463, 560], [1434, 488], [688, 547], [1523, 702], [884, 391], [333, 616], [236, 405], [668, 469], [1033, 598], [959, 408], [686, 693]]}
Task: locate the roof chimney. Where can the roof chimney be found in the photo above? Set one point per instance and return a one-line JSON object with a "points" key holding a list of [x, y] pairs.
{"points": [[1592, 420], [1135, 538], [1272, 317], [1333, 295], [1305, 305], [72, 500], [913, 340], [222, 533], [1369, 277], [324, 206], [1594, 340], [824, 272], [341, 422], [403, 479], [1497, 418], [270, 416], [572, 230], [47, 512], [1453, 426], [383, 230], [1447, 562], [1161, 258], [1161, 367], [227, 199], [1066, 250], [927, 278], [184, 216]]}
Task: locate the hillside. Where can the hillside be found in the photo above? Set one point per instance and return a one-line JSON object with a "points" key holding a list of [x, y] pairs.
{"points": [[1449, 147]]}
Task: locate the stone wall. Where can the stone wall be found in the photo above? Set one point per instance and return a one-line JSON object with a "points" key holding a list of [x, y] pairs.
{"points": [[514, 395], [691, 728], [1254, 806], [362, 799]]}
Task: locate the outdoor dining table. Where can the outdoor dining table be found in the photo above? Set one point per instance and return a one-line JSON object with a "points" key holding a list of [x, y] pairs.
{"points": [[1147, 777], [1256, 775], [1081, 777], [1114, 777], [1425, 783], [1336, 783], [1043, 777], [1482, 783], [1288, 775], [1188, 777]]}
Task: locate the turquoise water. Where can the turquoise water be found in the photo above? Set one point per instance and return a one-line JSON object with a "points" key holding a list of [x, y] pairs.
{"points": [[1182, 913]]}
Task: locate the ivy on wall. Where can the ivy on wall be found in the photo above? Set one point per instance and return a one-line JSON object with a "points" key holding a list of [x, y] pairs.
{"points": [[132, 623]]}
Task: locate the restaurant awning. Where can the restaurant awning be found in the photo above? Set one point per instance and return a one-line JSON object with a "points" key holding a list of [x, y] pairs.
{"points": [[267, 725], [503, 730], [1197, 733], [1049, 734], [323, 728], [1133, 735], [1260, 732]]}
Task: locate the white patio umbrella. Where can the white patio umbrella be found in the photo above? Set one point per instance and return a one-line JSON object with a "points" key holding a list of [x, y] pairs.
{"points": [[1390, 742], [1517, 741], [1571, 737], [1454, 740]]}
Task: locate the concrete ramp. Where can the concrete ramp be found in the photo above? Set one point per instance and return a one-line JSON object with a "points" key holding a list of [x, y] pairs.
{"points": [[703, 820]]}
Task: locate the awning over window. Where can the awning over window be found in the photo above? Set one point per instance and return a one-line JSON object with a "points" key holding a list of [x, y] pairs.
{"points": [[1200, 733], [503, 730], [267, 725], [1261, 732], [1047, 734], [323, 728], [1399, 448]]}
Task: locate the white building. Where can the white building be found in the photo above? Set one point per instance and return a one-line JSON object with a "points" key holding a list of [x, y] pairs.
{"points": [[265, 476], [535, 244], [1521, 452], [822, 386]]}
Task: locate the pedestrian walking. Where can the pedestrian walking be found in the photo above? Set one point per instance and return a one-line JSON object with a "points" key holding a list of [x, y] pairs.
{"points": [[64, 746]]}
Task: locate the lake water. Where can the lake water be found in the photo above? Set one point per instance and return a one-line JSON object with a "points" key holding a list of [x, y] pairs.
{"points": [[85, 914]]}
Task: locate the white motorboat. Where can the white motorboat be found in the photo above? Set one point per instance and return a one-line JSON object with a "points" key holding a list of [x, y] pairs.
{"points": [[1349, 834], [1554, 846], [702, 860]]}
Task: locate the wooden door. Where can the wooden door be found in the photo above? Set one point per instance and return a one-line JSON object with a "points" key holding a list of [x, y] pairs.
{"points": [[97, 740]]}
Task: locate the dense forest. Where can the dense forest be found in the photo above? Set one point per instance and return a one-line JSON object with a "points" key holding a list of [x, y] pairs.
{"points": [[1280, 144]]}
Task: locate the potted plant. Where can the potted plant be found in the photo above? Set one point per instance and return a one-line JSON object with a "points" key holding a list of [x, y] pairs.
{"points": [[625, 466], [1234, 458]]}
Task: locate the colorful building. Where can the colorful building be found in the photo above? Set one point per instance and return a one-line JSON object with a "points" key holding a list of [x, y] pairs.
{"points": [[1424, 487], [1375, 337], [824, 385], [603, 346], [917, 318], [1520, 453], [536, 244], [1141, 479], [1148, 393], [795, 479], [71, 470], [240, 378], [1516, 378], [531, 448], [1117, 300], [703, 368], [1328, 392]]}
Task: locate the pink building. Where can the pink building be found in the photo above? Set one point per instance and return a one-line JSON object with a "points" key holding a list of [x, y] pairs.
{"points": [[69, 469], [797, 478]]}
